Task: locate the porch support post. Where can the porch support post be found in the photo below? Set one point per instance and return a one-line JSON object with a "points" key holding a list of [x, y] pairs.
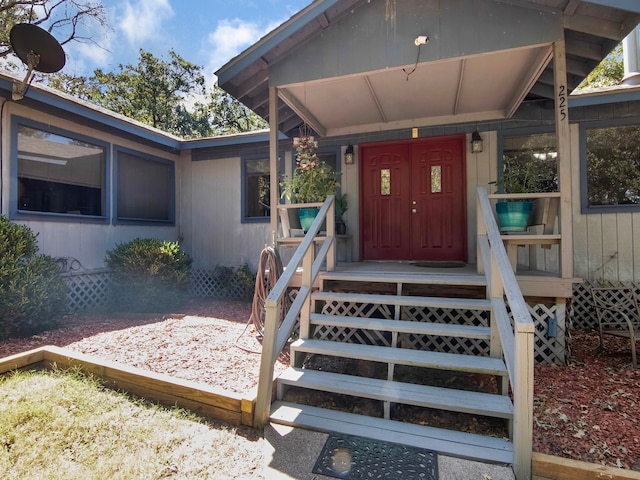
{"points": [[563, 143], [273, 161]]}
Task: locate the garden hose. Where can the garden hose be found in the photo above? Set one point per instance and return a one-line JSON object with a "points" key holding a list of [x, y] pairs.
{"points": [[269, 271]]}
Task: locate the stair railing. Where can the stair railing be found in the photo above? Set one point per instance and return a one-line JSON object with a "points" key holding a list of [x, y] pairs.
{"points": [[275, 336], [512, 336]]}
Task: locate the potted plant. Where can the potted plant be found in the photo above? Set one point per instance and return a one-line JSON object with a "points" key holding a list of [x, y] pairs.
{"points": [[311, 182], [521, 175], [341, 207]]}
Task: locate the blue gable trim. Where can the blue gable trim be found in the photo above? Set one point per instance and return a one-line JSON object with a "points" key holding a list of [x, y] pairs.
{"points": [[628, 5]]}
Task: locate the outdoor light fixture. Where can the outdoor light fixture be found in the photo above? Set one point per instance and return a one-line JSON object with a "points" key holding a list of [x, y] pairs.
{"points": [[348, 155], [476, 142]]}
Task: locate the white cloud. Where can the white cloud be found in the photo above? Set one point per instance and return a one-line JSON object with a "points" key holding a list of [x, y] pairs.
{"points": [[230, 38], [142, 19]]}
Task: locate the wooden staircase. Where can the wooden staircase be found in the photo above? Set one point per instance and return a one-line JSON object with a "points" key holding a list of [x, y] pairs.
{"points": [[392, 391]]}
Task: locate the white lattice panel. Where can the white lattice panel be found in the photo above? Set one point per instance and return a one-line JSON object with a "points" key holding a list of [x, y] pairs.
{"points": [[87, 290], [205, 283]]}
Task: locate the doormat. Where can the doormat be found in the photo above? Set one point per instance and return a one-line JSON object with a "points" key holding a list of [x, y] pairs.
{"points": [[442, 264], [356, 458]]}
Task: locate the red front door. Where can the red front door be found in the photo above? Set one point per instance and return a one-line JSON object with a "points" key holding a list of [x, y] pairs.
{"points": [[413, 201]]}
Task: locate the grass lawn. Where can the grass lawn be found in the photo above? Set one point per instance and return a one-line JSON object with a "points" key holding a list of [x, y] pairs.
{"points": [[63, 424]]}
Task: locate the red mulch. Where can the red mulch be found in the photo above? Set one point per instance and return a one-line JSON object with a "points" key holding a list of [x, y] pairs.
{"points": [[588, 410]]}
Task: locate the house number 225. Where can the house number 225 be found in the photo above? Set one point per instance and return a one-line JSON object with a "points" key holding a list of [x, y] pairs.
{"points": [[562, 101]]}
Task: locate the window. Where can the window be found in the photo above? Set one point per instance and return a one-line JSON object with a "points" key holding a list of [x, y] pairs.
{"points": [[529, 163], [256, 189], [611, 168], [145, 188], [58, 173]]}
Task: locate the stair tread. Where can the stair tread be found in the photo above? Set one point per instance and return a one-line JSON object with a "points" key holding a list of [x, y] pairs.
{"points": [[478, 403], [408, 278], [403, 356], [403, 326], [450, 442], [405, 300]]}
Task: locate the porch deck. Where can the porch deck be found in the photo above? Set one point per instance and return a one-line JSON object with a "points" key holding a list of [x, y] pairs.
{"points": [[534, 284]]}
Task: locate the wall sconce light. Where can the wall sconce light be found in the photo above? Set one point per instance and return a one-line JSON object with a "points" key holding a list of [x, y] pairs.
{"points": [[476, 142], [348, 155]]}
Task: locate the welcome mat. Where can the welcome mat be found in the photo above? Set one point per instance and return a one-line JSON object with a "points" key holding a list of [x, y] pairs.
{"points": [[356, 458], [440, 264]]}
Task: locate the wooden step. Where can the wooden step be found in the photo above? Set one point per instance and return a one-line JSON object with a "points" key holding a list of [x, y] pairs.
{"points": [[460, 444], [407, 278], [476, 403], [402, 356], [402, 326], [481, 304]]}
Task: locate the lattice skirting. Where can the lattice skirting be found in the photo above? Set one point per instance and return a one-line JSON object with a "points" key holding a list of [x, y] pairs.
{"points": [[584, 316], [88, 290], [551, 332], [209, 283]]}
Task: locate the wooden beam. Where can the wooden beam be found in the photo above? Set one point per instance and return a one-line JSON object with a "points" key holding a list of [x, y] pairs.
{"points": [[273, 161], [303, 113], [563, 144], [594, 26], [460, 82], [376, 99], [532, 75], [548, 467]]}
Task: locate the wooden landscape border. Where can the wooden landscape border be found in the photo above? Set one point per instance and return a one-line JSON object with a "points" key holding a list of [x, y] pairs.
{"points": [[238, 409], [234, 408]]}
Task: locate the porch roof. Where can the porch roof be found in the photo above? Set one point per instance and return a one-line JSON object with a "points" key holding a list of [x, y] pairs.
{"points": [[343, 66]]}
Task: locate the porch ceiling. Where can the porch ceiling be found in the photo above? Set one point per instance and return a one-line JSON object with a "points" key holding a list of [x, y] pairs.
{"points": [[449, 91], [458, 90]]}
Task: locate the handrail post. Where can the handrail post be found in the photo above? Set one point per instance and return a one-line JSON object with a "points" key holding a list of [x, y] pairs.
{"points": [[265, 382], [307, 264], [331, 232], [523, 405]]}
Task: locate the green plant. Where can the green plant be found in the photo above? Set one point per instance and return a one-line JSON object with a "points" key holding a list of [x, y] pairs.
{"points": [[227, 279], [33, 294], [312, 179], [149, 274], [342, 205]]}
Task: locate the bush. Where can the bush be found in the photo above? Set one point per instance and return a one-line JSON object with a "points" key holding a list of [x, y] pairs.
{"points": [[149, 275], [33, 294]]}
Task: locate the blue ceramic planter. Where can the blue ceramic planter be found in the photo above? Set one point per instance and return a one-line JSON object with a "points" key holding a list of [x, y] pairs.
{"points": [[307, 216], [514, 216]]}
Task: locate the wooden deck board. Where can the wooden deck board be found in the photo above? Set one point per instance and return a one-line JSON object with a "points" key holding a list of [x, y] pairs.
{"points": [[476, 403], [403, 356], [404, 300], [460, 444]]}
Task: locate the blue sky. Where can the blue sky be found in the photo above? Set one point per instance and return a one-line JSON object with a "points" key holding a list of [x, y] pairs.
{"points": [[207, 33]]}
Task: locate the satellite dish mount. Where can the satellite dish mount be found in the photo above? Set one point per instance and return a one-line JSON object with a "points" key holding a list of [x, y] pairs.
{"points": [[38, 50]]}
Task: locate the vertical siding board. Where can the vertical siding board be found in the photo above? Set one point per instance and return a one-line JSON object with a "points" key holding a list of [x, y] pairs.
{"points": [[580, 224], [594, 252], [610, 250], [624, 260]]}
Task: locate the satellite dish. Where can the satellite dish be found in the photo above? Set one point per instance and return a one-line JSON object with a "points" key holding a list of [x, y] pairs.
{"points": [[38, 49]]}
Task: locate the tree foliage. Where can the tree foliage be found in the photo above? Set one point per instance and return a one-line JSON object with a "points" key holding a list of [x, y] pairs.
{"points": [[608, 73], [67, 20], [170, 95]]}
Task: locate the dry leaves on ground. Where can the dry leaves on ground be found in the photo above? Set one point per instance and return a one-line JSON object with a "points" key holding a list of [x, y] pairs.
{"points": [[588, 410]]}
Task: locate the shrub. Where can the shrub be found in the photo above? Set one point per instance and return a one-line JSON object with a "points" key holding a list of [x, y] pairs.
{"points": [[33, 294], [149, 275]]}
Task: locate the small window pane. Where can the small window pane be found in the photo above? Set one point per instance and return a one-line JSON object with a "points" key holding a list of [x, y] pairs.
{"points": [[59, 174], [385, 181], [529, 164], [257, 188], [613, 166], [436, 179], [145, 188]]}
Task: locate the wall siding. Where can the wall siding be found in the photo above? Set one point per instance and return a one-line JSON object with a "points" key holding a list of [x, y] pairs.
{"points": [[85, 242]]}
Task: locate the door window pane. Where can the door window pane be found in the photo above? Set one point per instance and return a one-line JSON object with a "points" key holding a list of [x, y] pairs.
{"points": [[385, 181], [436, 179]]}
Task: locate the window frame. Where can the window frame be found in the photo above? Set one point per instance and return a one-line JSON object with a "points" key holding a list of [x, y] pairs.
{"points": [[336, 149], [244, 159], [516, 132], [585, 209], [16, 214], [171, 221]]}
